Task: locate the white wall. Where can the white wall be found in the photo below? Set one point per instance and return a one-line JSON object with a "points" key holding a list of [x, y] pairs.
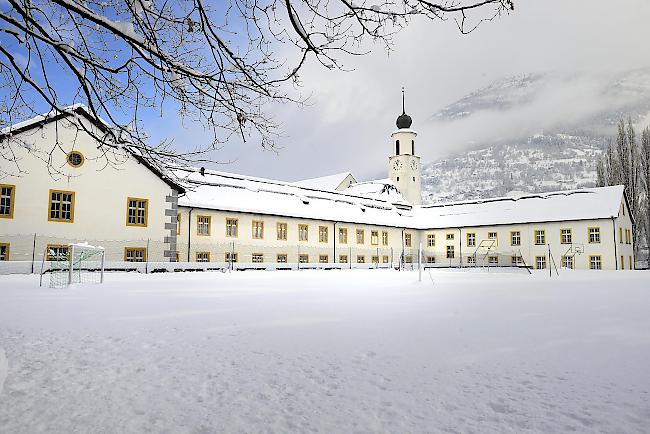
{"points": [[100, 196]]}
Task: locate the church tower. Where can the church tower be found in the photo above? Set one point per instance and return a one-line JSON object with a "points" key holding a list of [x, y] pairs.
{"points": [[403, 164]]}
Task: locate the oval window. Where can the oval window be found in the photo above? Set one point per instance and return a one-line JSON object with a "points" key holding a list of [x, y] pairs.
{"points": [[75, 158]]}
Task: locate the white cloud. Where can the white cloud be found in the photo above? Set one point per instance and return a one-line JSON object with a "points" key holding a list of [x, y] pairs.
{"points": [[347, 126]]}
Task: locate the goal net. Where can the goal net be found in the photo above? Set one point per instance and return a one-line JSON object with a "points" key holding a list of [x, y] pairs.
{"points": [[73, 263]]}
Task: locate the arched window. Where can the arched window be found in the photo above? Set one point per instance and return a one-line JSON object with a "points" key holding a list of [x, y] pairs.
{"points": [[412, 147], [396, 147]]}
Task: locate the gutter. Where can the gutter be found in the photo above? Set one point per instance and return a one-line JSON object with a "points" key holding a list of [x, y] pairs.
{"points": [[615, 250], [189, 233]]}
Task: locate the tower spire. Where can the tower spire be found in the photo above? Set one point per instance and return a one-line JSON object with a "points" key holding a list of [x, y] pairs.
{"points": [[403, 106]]}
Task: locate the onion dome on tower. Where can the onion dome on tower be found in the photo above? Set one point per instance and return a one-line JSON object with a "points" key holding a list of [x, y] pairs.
{"points": [[404, 121]]}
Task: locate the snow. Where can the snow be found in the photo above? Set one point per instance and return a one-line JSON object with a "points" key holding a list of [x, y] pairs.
{"points": [[329, 182], [328, 351]]}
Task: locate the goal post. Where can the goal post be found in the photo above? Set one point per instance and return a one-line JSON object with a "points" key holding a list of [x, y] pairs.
{"points": [[73, 263]]}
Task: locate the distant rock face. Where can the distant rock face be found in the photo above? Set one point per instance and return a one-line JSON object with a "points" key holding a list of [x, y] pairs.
{"points": [[563, 157]]}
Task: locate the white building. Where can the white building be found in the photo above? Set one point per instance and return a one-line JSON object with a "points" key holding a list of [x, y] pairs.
{"points": [[207, 219]]}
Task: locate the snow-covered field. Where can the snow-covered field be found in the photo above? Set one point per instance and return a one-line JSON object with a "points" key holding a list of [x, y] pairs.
{"points": [[327, 351]]}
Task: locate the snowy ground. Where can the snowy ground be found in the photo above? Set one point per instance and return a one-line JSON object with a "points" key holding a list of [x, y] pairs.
{"points": [[327, 351]]}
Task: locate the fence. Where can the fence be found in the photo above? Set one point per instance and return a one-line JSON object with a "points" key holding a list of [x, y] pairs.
{"points": [[26, 254]]}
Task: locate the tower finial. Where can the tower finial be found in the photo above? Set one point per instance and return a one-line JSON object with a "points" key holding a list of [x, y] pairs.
{"points": [[403, 107]]}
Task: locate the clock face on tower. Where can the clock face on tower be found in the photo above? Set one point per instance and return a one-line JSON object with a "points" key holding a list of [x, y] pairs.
{"points": [[414, 165], [397, 165]]}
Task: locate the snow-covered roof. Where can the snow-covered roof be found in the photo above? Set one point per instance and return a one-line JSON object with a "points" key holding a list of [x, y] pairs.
{"points": [[239, 193], [383, 189], [329, 182], [363, 203], [583, 204]]}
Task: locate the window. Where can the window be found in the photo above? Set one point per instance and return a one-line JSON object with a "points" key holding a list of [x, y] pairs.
{"points": [[57, 252], [360, 236], [303, 232], [595, 262], [135, 254], [281, 229], [231, 257], [203, 225], [622, 262], [631, 263], [257, 258], [7, 195], [384, 259], [61, 206], [431, 240], [303, 259], [449, 236], [323, 259], [450, 252], [471, 260], [322, 234], [384, 238], [343, 235], [471, 240], [202, 256], [408, 240], [408, 259], [628, 236], [75, 159], [493, 260], [566, 236], [431, 259], [343, 259], [374, 238], [232, 227], [492, 235], [4, 251], [620, 235], [594, 235], [540, 237], [258, 229], [567, 262], [361, 259], [375, 259], [516, 260], [540, 262], [396, 147], [178, 224], [282, 258], [136, 211], [515, 238]]}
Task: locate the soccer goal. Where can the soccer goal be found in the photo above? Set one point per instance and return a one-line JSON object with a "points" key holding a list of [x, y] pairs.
{"points": [[73, 263]]}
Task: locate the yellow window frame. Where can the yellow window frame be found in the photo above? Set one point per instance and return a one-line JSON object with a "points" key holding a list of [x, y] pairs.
{"points": [[143, 249], [146, 211], [598, 231], [281, 228], [7, 247], [12, 201], [260, 225], [49, 206], [236, 226], [209, 218]]}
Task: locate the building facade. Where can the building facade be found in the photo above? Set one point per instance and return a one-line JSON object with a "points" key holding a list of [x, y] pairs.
{"points": [[207, 219]]}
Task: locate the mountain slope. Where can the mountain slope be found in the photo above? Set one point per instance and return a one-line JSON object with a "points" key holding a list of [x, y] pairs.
{"points": [[562, 157]]}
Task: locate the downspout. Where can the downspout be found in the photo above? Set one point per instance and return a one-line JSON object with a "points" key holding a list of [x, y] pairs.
{"points": [[615, 251], [334, 240], [460, 248], [189, 233], [401, 259]]}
